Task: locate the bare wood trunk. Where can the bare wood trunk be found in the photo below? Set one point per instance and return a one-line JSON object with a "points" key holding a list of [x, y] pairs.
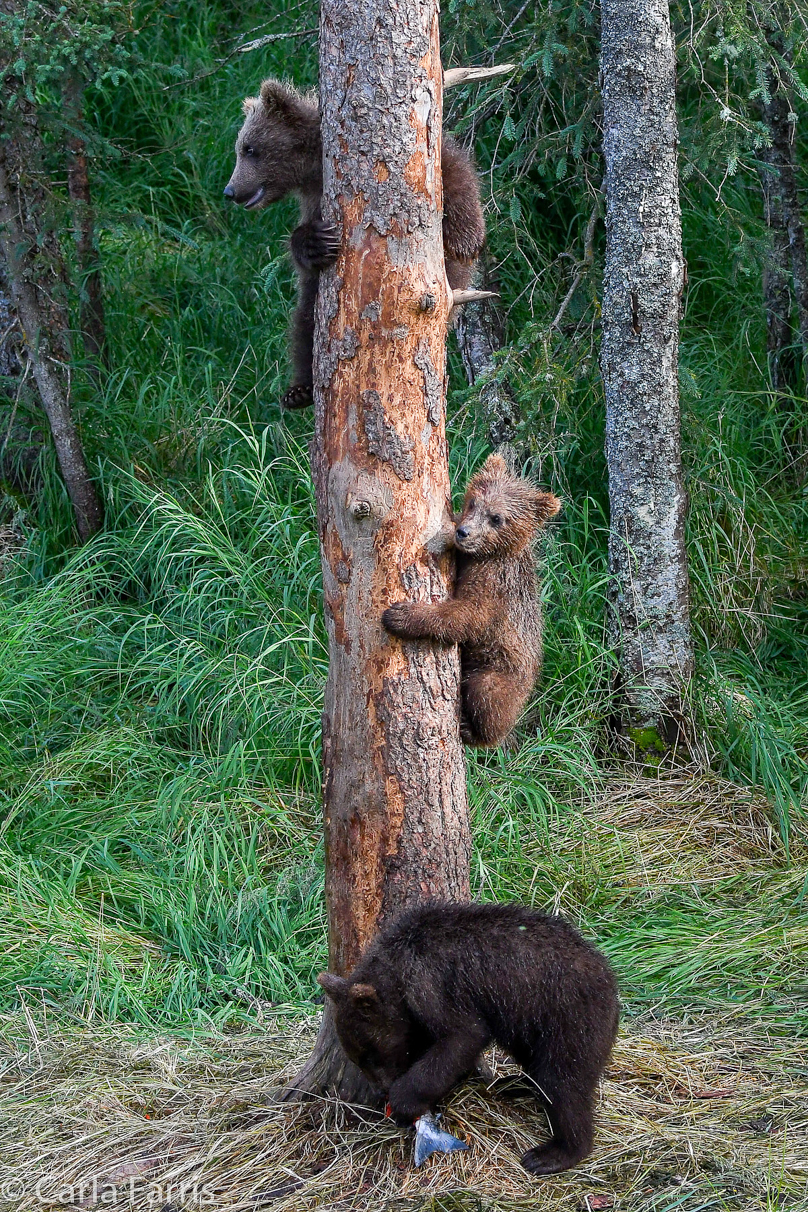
{"points": [[396, 820], [91, 302], [643, 281], [44, 333]]}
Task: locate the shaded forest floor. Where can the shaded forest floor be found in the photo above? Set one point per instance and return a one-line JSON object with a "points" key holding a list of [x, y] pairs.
{"points": [[702, 1107]]}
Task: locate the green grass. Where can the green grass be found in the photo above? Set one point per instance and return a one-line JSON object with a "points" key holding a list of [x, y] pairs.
{"points": [[160, 690]]}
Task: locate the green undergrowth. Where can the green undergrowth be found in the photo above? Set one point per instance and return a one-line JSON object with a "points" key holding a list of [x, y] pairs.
{"points": [[160, 689]]}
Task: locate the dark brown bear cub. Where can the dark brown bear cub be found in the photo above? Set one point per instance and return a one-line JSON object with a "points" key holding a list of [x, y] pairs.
{"points": [[279, 151], [495, 614], [444, 981]]}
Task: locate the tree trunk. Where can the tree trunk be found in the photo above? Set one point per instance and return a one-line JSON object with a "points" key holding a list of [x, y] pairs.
{"points": [[44, 331], [479, 336], [396, 819], [91, 303], [777, 300], [785, 278], [643, 282], [9, 361]]}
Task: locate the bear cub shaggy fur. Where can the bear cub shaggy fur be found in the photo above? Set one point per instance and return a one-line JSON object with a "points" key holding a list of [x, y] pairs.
{"points": [[495, 614], [278, 152], [444, 981]]}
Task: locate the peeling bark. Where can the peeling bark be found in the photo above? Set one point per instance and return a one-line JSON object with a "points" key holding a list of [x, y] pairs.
{"points": [[643, 282], [91, 303], [396, 820]]}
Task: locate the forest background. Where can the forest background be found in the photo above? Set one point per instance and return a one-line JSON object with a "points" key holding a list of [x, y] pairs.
{"points": [[160, 687]]}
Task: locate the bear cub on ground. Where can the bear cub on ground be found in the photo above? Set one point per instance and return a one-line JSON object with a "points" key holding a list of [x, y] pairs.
{"points": [[495, 614], [278, 152], [444, 981]]}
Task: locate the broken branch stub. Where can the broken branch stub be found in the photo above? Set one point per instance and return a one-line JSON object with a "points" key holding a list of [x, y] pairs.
{"points": [[469, 75]]}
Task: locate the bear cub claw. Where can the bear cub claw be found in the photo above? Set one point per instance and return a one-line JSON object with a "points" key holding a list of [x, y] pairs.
{"points": [[299, 396], [396, 617], [315, 245]]}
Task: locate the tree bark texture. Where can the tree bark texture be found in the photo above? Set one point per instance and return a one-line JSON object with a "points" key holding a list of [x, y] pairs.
{"points": [[785, 280], [394, 798], [479, 336], [33, 267], [9, 360], [643, 282], [91, 303]]}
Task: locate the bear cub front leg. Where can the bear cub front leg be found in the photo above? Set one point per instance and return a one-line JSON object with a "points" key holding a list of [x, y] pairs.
{"points": [[434, 1074], [447, 622]]}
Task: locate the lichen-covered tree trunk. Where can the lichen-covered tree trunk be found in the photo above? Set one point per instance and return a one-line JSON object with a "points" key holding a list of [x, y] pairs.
{"points": [[396, 822], [643, 282]]}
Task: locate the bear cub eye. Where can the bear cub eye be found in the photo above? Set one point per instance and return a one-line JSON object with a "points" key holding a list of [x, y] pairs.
{"points": [[496, 520], [249, 150]]}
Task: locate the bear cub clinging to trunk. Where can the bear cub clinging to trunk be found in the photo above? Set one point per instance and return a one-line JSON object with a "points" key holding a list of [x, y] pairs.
{"points": [[278, 152], [495, 614], [441, 983]]}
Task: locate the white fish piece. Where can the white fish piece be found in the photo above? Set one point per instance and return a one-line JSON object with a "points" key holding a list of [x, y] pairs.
{"points": [[429, 1138]]}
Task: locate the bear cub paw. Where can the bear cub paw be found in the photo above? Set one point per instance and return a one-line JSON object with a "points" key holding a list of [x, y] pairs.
{"points": [[548, 1159], [315, 245], [397, 618], [405, 1108], [299, 396]]}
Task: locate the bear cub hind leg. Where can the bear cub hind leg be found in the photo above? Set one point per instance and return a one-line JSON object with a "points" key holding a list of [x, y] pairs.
{"points": [[570, 1112]]}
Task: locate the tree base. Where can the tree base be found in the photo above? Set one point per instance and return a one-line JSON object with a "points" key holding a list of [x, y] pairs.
{"points": [[329, 1073]]}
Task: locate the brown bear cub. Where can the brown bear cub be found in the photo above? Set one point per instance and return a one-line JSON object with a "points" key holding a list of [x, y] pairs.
{"points": [[442, 982], [495, 614], [279, 152]]}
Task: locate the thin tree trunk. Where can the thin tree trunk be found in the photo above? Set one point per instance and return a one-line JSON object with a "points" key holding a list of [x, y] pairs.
{"points": [[44, 332], [777, 297], [9, 361], [643, 282], [396, 820], [785, 274], [91, 302], [479, 337]]}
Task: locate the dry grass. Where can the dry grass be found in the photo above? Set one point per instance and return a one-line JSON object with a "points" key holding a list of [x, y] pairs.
{"points": [[689, 1112], [705, 1111]]}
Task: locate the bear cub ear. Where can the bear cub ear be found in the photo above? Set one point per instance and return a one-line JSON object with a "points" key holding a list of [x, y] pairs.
{"points": [[339, 988], [363, 995], [496, 465], [547, 506], [286, 104], [335, 986]]}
